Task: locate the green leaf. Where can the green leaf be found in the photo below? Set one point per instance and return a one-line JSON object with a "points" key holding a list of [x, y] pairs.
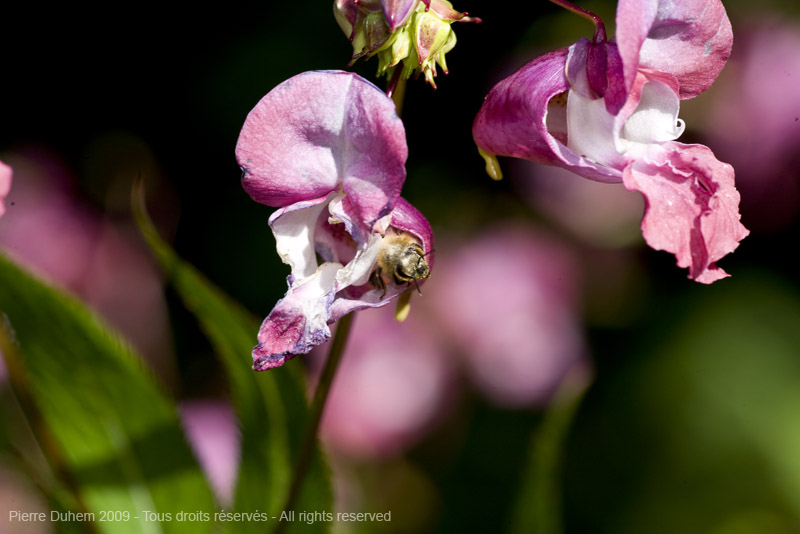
{"points": [[107, 429], [271, 406]]}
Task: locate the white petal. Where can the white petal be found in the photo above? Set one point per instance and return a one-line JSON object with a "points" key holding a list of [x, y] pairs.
{"points": [[312, 296], [590, 130], [361, 266], [293, 228], [655, 119]]}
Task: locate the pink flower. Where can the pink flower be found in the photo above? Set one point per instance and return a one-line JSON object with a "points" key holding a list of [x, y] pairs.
{"points": [[608, 111], [328, 149], [396, 383], [762, 85], [521, 335], [5, 185], [597, 214], [54, 233], [212, 432]]}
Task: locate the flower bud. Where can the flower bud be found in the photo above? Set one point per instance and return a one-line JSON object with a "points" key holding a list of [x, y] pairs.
{"points": [[414, 33]]}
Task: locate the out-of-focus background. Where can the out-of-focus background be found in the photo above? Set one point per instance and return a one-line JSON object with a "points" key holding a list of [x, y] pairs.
{"points": [[544, 294]]}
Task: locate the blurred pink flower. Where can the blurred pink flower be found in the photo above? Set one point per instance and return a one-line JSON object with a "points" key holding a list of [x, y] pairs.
{"points": [[329, 150], [507, 300], [754, 120], [53, 233], [5, 185], [212, 431], [598, 214], [395, 383], [608, 111]]}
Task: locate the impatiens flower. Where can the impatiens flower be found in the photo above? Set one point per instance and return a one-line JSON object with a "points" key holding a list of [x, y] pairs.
{"points": [[414, 32], [762, 83], [598, 214], [328, 149], [5, 185], [608, 111]]}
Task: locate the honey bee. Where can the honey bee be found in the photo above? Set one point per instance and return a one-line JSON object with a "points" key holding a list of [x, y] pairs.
{"points": [[402, 258]]}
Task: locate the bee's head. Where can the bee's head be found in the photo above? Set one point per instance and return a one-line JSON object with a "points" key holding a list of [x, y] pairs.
{"points": [[412, 265]]}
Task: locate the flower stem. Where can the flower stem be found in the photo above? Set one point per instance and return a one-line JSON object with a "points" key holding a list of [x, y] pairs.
{"points": [[397, 89], [599, 27], [317, 407]]}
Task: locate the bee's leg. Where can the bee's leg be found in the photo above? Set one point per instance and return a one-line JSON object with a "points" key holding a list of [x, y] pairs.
{"points": [[417, 286], [377, 280]]}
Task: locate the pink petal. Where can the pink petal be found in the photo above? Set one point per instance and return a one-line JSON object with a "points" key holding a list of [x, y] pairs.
{"points": [[212, 431], [346, 14], [320, 131], [690, 39], [445, 11], [521, 118], [298, 322], [409, 219], [691, 206], [634, 20], [397, 12], [5, 185]]}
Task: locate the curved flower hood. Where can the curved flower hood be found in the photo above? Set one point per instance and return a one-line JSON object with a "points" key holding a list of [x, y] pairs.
{"points": [[328, 149], [608, 111]]}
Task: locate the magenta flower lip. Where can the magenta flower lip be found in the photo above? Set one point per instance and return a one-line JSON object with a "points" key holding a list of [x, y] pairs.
{"points": [[328, 149], [608, 111]]}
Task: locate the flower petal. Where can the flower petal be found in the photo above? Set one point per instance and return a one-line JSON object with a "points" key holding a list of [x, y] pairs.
{"points": [[445, 11], [655, 117], [634, 20], [690, 39], [5, 185], [521, 117], [407, 218], [346, 14], [298, 322], [320, 131], [592, 130], [397, 12], [294, 228], [691, 206], [595, 70]]}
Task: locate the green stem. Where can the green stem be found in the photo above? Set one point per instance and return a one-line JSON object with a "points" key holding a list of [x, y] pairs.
{"points": [[317, 407], [397, 89], [599, 27]]}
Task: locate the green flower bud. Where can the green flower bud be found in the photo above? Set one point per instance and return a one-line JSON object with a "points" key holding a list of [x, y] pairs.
{"points": [[421, 37]]}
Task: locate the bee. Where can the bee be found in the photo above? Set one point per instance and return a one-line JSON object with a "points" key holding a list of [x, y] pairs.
{"points": [[402, 258]]}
